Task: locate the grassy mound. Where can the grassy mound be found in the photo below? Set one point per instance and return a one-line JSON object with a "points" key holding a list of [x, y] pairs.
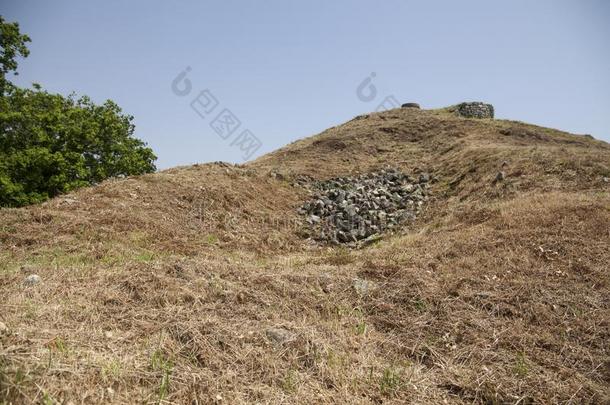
{"points": [[193, 285]]}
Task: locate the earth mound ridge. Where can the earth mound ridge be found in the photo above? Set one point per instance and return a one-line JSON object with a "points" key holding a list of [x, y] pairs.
{"points": [[185, 286]]}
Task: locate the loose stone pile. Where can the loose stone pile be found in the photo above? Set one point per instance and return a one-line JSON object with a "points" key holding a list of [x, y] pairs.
{"points": [[476, 110], [353, 209]]}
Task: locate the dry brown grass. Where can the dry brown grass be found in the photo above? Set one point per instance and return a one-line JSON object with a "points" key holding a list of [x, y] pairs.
{"points": [[159, 289]]}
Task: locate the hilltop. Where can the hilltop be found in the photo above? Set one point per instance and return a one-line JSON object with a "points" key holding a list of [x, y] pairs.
{"points": [[198, 285]]}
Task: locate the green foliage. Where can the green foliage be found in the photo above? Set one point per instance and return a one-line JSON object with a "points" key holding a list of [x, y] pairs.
{"points": [[290, 382], [51, 144], [12, 44], [160, 362], [520, 367], [420, 304], [145, 257], [361, 328], [390, 381]]}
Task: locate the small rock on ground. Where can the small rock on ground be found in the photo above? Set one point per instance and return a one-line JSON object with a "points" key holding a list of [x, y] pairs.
{"points": [[363, 287], [32, 279], [279, 336]]}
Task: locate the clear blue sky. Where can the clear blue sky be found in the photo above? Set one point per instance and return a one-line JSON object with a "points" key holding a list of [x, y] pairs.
{"points": [[290, 69]]}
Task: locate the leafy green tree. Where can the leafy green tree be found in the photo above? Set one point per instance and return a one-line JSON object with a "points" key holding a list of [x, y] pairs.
{"points": [[51, 144], [12, 44]]}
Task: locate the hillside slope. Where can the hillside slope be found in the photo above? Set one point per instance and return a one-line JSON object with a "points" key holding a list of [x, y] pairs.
{"points": [[194, 285]]}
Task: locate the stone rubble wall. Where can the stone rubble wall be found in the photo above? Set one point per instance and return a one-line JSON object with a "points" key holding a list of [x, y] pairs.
{"points": [[475, 110]]}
